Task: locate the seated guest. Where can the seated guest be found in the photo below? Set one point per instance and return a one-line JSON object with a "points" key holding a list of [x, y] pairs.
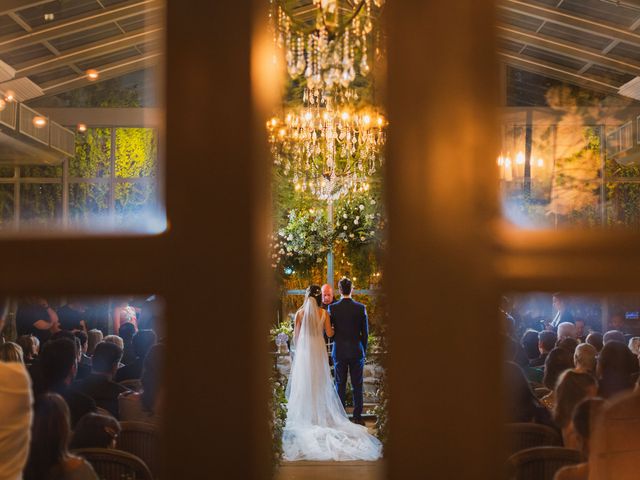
{"points": [[546, 343], [572, 388], [15, 420], [515, 352], [95, 431], [99, 384], [83, 370], [616, 322], [58, 366], [147, 405], [583, 421], [566, 330], [49, 457], [116, 340], [581, 333], [616, 366], [529, 342], [585, 358], [557, 362], [142, 342], [614, 336], [634, 345], [84, 344], [569, 344], [94, 338], [595, 339], [615, 442], [29, 348], [126, 332], [11, 352]]}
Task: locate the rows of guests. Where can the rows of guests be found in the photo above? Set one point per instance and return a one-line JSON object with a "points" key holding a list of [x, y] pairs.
{"points": [[67, 394], [566, 382]]}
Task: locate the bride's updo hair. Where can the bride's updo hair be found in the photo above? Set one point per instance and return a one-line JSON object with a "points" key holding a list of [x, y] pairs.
{"points": [[315, 291]]}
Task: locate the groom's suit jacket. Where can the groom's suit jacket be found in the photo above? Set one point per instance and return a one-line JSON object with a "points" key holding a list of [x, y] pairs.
{"points": [[351, 326]]}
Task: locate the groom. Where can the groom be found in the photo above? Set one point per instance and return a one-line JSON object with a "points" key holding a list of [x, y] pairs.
{"points": [[350, 323]]}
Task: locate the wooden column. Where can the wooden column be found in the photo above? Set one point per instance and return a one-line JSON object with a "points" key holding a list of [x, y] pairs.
{"points": [[441, 179]]}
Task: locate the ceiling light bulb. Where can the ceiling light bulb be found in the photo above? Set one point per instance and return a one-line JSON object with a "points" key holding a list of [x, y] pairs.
{"points": [[49, 17], [9, 96], [92, 74], [366, 119], [82, 127]]}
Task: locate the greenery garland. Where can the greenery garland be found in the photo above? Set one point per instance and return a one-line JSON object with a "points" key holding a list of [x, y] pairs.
{"points": [[278, 407]]}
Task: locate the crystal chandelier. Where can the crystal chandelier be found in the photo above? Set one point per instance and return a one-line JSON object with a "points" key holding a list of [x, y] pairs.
{"points": [[326, 150], [331, 49]]}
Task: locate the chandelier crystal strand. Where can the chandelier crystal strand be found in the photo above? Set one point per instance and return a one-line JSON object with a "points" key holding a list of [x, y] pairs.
{"points": [[328, 53]]}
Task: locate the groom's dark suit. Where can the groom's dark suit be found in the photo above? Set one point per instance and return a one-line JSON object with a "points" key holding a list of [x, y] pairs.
{"points": [[351, 326]]}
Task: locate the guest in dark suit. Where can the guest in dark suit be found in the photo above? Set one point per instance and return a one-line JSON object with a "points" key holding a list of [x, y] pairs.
{"points": [[99, 385], [351, 326], [546, 343], [142, 342], [57, 365]]}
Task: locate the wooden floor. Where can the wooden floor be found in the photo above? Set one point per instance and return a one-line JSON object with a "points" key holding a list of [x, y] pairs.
{"points": [[330, 471]]}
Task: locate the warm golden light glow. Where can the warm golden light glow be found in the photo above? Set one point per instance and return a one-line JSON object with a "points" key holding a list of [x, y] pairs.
{"points": [[82, 127], [3, 104], [39, 122], [9, 96], [92, 74], [520, 158]]}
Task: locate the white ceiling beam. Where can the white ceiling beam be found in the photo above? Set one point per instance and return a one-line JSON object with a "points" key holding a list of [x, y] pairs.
{"points": [[553, 71], [7, 6], [106, 72], [79, 23], [96, 49], [568, 49], [559, 17]]}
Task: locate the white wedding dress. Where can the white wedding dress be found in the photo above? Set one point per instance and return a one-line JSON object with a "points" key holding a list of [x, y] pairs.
{"points": [[317, 427]]}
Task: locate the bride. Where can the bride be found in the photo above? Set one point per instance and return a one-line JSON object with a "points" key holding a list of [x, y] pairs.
{"points": [[317, 427]]}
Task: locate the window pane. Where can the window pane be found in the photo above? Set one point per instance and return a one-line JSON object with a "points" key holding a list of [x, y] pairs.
{"points": [[40, 204], [136, 152], [6, 206], [571, 145], [93, 154], [61, 114], [134, 200], [41, 171], [88, 203]]}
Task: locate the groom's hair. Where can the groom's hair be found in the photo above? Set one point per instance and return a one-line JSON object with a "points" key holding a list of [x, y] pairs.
{"points": [[345, 285]]}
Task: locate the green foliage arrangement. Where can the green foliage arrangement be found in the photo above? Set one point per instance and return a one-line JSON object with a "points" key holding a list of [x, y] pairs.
{"points": [[304, 241], [285, 327], [278, 407]]}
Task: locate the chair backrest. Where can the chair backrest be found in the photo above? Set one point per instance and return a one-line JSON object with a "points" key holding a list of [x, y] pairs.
{"points": [[528, 435], [133, 384], [112, 464], [541, 392], [141, 440], [540, 463]]}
